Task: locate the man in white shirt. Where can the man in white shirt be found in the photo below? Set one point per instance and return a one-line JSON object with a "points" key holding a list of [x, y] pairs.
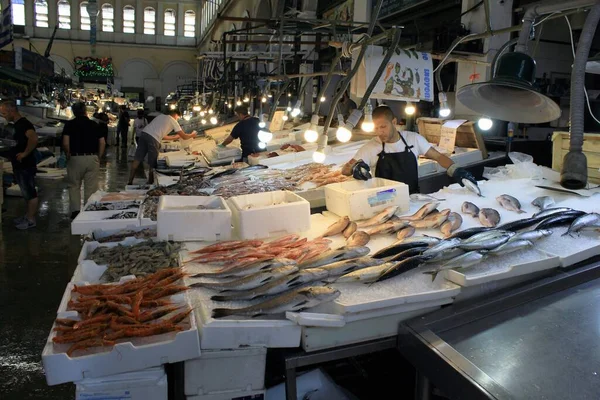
{"points": [[149, 142], [393, 155]]}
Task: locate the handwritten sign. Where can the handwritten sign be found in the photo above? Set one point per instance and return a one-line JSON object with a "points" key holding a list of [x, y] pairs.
{"points": [[277, 122], [448, 135]]}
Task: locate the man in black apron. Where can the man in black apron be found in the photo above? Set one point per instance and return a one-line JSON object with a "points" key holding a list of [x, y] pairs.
{"points": [[394, 154]]}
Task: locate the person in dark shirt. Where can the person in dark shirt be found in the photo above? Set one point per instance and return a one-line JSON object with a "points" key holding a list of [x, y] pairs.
{"points": [[23, 161], [246, 130], [123, 126], [84, 145]]}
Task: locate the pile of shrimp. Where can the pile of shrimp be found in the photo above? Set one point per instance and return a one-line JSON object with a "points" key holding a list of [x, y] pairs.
{"points": [[109, 313]]}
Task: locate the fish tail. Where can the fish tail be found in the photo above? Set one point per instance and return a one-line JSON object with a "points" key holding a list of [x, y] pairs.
{"points": [[222, 312], [433, 274], [221, 298]]}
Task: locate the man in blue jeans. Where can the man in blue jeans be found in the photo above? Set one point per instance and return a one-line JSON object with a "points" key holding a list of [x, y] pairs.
{"points": [[23, 161]]}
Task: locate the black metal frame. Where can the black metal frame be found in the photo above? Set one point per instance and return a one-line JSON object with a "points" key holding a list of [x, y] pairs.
{"points": [[449, 370]]}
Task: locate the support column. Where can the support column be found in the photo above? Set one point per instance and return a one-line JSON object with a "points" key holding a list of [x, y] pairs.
{"points": [[160, 19], [139, 17], [180, 17], [52, 14], [75, 22], [29, 14], [119, 16]]}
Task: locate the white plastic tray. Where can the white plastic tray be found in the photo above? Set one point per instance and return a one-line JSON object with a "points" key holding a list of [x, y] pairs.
{"points": [[88, 221]]}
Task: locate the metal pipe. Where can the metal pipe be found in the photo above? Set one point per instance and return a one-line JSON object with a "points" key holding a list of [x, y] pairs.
{"points": [[488, 16], [309, 75], [306, 20], [248, 41], [334, 63]]}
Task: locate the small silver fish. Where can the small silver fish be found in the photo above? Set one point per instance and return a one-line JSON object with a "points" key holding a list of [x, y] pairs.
{"points": [[551, 211], [586, 221], [486, 244], [251, 281], [470, 209], [489, 217], [532, 236], [358, 238], [430, 240], [337, 227], [473, 187], [510, 203], [487, 235], [543, 202], [453, 222], [422, 212], [511, 246], [463, 261], [446, 255], [442, 246], [405, 233], [379, 218]]}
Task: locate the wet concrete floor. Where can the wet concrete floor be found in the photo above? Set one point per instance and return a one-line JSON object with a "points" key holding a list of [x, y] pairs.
{"points": [[35, 266]]}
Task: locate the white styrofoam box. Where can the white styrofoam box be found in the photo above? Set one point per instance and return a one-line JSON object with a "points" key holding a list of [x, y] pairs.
{"points": [[463, 156], [315, 384], [220, 371], [261, 215], [149, 384], [364, 199], [426, 167], [316, 196], [180, 219], [235, 395], [316, 319], [88, 221], [132, 355], [101, 234]]}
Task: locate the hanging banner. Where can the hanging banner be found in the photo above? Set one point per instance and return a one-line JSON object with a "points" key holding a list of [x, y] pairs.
{"points": [[408, 76], [6, 25], [92, 10]]}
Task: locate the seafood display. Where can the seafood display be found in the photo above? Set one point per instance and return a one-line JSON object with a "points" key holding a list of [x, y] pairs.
{"points": [[510, 203], [124, 215], [150, 207], [113, 313], [543, 202], [472, 187], [489, 217], [113, 206], [140, 259], [470, 209], [119, 236]]}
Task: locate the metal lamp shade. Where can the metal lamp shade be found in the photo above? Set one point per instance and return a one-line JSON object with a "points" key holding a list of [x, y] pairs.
{"points": [[510, 95]]}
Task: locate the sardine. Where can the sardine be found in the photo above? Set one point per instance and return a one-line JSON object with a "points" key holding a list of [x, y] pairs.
{"points": [[277, 286], [473, 187], [350, 229], [296, 300], [358, 238], [510, 203], [444, 245], [486, 244], [367, 275], [489, 217], [551, 211], [331, 256], [457, 263], [379, 218], [467, 233], [337, 227], [405, 233], [470, 209], [511, 246], [415, 251], [388, 227], [587, 221], [403, 266], [543, 202], [532, 236], [520, 224], [422, 212], [452, 223], [435, 222], [247, 269], [251, 281], [565, 218]]}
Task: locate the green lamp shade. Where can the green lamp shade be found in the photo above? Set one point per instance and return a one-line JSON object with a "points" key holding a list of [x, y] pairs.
{"points": [[510, 96]]}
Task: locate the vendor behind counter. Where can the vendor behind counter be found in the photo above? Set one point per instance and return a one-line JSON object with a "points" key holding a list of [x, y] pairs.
{"points": [[246, 131]]}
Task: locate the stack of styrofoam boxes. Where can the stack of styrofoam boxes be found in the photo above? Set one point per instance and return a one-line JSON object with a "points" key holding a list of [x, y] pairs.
{"points": [[364, 199], [226, 374], [262, 215], [148, 384], [189, 218]]}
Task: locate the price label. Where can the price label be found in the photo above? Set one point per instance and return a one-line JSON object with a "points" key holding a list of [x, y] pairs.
{"points": [[448, 135]]}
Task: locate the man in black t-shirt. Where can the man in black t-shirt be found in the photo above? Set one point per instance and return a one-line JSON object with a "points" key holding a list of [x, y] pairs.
{"points": [[84, 145], [246, 130], [23, 161]]}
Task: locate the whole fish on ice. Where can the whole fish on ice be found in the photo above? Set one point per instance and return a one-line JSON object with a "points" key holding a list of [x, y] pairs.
{"points": [[358, 238], [511, 246], [337, 227], [470, 209], [543, 202], [452, 223], [422, 212], [457, 263], [472, 187], [585, 222], [331, 256], [405, 233], [489, 217], [510, 203], [251, 281], [379, 218], [350, 229]]}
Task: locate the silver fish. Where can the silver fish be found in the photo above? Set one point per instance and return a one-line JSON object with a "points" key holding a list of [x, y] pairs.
{"points": [[379, 218], [510, 203], [345, 267], [511, 246], [463, 261], [358, 238], [486, 244], [586, 221], [487, 235], [543, 202], [470, 209], [442, 246], [430, 240], [331, 256], [277, 286], [423, 197], [532, 236], [473, 187], [247, 269], [405, 233], [251, 281], [337, 227], [296, 300], [422, 212], [452, 223], [446, 255], [387, 227], [551, 211], [350, 229], [369, 274], [489, 217]]}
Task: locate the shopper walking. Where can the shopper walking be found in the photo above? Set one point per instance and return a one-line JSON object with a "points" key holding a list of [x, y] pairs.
{"points": [[23, 161], [139, 124], [149, 143], [123, 126], [84, 145]]}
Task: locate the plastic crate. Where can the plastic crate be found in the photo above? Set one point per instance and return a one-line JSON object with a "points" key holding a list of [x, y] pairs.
{"points": [[180, 219], [89, 221], [261, 215], [225, 371], [364, 199]]}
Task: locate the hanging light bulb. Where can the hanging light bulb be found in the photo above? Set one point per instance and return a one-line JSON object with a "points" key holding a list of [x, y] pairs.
{"points": [[484, 123], [202, 113], [246, 99], [173, 106], [444, 108], [342, 134], [264, 99], [323, 99], [265, 136], [410, 108], [211, 111], [261, 123], [296, 109], [229, 105], [187, 117], [319, 157], [367, 124], [238, 103], [289, 95], [311, 135], [203, 121], [262, 145], [213, 120], [285, 117], [289, 107]]}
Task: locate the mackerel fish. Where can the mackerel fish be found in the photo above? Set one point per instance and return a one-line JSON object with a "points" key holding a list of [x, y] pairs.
{"points": [[331, 256], [251, 281]]}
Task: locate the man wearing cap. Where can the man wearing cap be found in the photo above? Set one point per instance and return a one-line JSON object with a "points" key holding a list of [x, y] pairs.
{"points": [[246, 130], [84, 145]]}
